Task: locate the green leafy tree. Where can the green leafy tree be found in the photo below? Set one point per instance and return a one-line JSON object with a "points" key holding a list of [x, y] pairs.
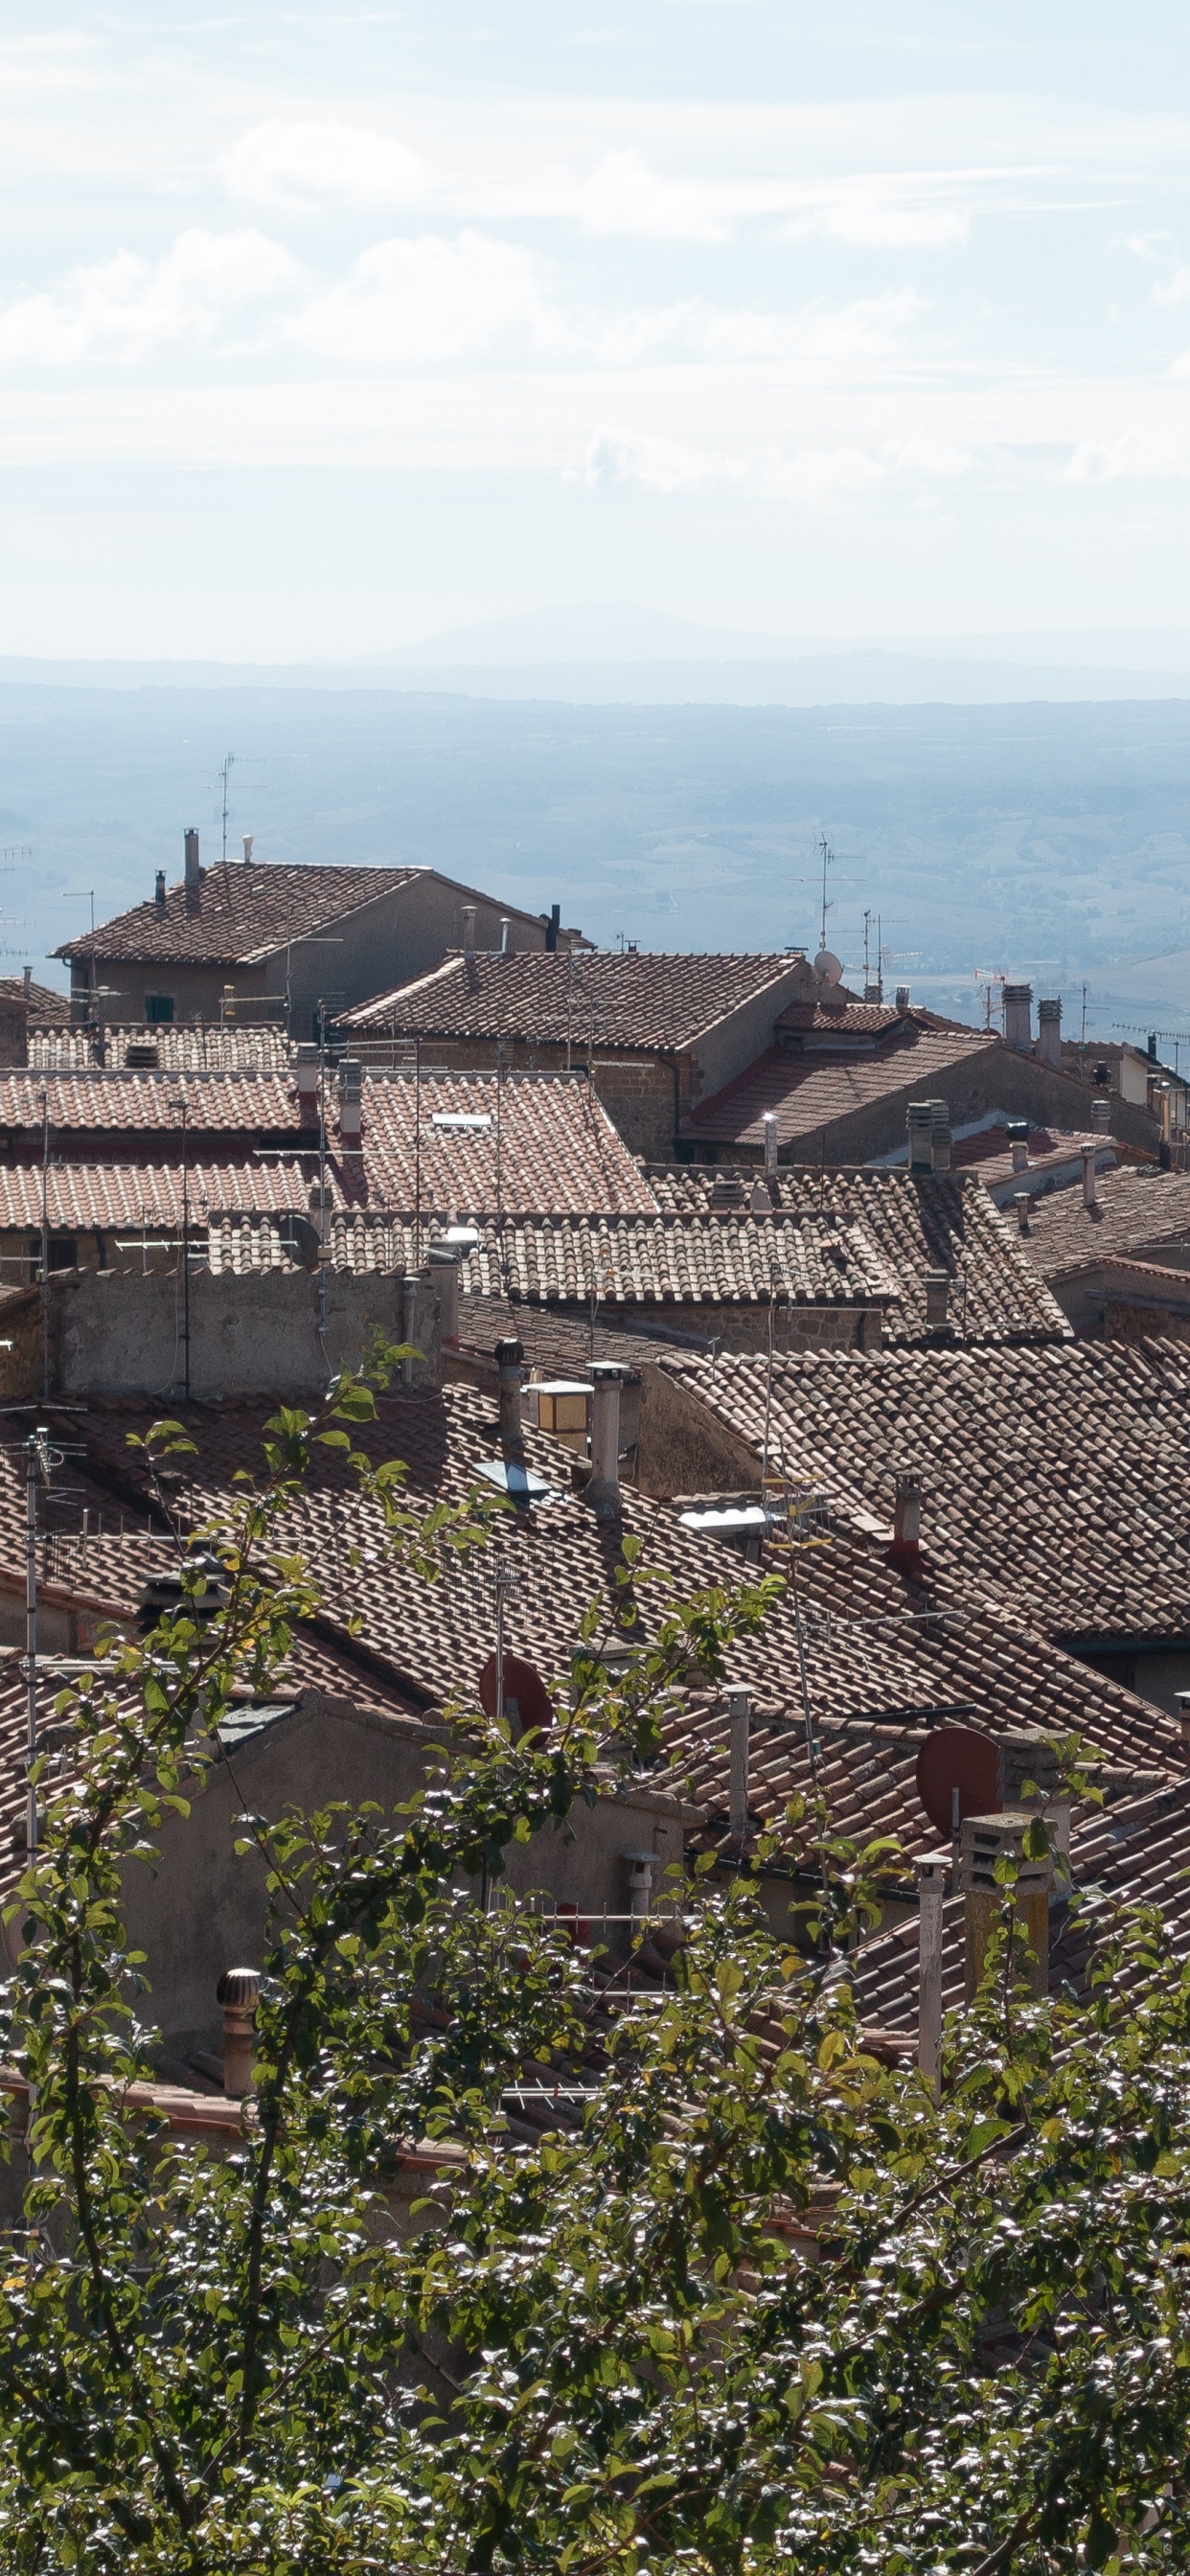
{"points": [[759, 2302]]}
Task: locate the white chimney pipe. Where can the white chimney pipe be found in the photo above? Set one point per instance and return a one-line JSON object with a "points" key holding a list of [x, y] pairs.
{"points": [[249, 838], [739, 1712], [505, 928], [768, 1129], [931, 1889], [468, 911], [603, 1486], [1101, 1116], [1090, 1193]]}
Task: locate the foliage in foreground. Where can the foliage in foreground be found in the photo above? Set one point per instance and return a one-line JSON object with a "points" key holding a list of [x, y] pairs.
{"points": [[762, 2304]]}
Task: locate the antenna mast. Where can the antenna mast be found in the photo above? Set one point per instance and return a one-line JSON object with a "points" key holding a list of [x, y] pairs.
{"points": [[225, 774]]}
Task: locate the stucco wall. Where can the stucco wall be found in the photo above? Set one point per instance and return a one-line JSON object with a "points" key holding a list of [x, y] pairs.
{"points": [[682, 1448], [119, 1333]]}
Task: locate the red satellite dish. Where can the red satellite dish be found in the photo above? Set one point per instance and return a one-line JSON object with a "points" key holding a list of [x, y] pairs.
{"points": [[955, 1757], [526, 1698]]}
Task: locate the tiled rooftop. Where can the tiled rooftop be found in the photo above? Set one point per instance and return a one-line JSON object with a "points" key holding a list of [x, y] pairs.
{"points": [[242, 914], [1136, 1209], [82, 1196], [918, 1222], [641, 1000], [95, 1102], [45, 1007], [806, 1095], [846, 1018], [199, 1046], [1054, 1476], [540, 1142]]}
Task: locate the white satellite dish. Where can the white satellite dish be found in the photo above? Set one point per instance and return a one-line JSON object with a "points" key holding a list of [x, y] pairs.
{"points": [[827, 967]]}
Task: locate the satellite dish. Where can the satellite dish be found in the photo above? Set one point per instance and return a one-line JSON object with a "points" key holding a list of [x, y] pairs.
{"points": [[955, 1757], [527, 1702], [827, 967]]}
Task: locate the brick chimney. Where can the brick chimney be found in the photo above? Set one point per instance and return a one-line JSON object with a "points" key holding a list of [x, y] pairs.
{"points": [[602, 1491], [907, 1514], [351, 1109], [1018, 1017], [1090, 1190], [1049, 1034]]}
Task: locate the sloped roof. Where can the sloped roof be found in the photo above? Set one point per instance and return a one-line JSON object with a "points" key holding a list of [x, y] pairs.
{"points": [[806, 1093], [1055, 1475], [242, 915], [1135, 1209], [642, 999], [917, 1221], [113, 1101], [45, 1007], [198, 1046]]}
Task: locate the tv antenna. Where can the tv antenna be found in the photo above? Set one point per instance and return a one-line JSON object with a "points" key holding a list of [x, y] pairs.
{"points": [[231, 760]]}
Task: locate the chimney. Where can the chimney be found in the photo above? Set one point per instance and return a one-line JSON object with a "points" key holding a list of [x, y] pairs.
{"points": [[1101, 1117], [505, 927], [937, 1300], [919, 1121], [443, 1267], [1017, 1131], [307, 1087], [603, 1487], [468, 911], [641, 1866], [902, 999], [552, 928], [1152, 1047], [249, 838], [1181, 1701], [1029, 1777], [509, 1355], [1049, 1034], [1018, 1017], [238, 1991], [1022, 1201], [907, 1514], [986, 1840], [739, 1715], [768, 1129], [940, 1137], [351, 1110], [193, 871], [159, 890], [1090, 1195], [931, 1889]]}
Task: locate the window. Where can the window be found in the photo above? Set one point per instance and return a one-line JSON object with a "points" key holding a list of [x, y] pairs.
{"points": [[159, 1009]]}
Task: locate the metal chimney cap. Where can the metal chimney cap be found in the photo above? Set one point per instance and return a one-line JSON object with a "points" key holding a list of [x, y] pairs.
{"points": [[238, 1989]]}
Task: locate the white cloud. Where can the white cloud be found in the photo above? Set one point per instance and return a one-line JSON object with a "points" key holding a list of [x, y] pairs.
{"points": [[127, 307], [322, 160], [868, 215], [1175, 289], [623, 195], [1144, 454], [811, 477], [425, 302]]}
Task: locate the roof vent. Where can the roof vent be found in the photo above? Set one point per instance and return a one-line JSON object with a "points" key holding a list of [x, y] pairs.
{"points": [[726, 1192]]}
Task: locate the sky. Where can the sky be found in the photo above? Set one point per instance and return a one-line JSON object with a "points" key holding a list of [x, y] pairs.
{"points": [[323, 330]]}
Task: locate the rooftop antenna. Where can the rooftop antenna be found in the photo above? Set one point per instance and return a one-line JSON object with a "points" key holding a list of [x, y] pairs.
{"points": [[828, 858]]}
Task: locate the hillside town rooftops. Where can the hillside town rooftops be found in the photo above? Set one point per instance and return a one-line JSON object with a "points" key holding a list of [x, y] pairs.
{"points": [[238, 915], [805, 1094], [1134, 1211], [1053, 1476], [191, 1046], [640, 1000]]}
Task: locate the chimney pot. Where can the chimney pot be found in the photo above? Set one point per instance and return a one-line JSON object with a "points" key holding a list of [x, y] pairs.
{"points": [[987, 1839], [468, 911], [1022, 1201], [351, 1110], [443, 1267], [603, 1486], [907, 1513], [1090, 1193], [937, 1285], [919, 1121], [768, 1127], [739, 1714], [306, 1071], [1049, 1034], [505, 928], [193, 871], [159, 890], [940, 1139], [238, 1993], [1101, 1117], [509, 1355], [1018, 1017], [902, 998], [249, 838]]}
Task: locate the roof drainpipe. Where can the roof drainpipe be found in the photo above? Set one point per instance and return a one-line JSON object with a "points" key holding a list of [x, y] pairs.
{"points": [[602, 1491], [509, 1356], [1090, 1192], [739, 1716]]}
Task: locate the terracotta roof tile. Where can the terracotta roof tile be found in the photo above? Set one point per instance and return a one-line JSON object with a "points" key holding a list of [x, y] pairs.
{"points": [[641, 1000], [1055, 1475], [242, 914], [99, 1102], [198, 1046], [917, 1222], [806, 1094], [1136, 1210]]}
